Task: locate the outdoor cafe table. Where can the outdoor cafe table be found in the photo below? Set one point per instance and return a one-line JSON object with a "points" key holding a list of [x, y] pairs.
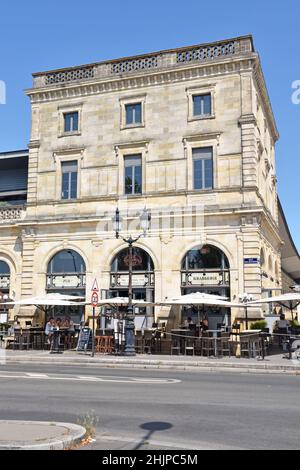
{"points": [[57, 332]]}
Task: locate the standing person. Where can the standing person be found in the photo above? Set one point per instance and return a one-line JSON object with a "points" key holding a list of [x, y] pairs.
{"points": [[282, 328]]}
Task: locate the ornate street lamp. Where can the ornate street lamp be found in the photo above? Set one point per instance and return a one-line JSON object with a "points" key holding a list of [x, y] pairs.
{"points": [[145, 219]]}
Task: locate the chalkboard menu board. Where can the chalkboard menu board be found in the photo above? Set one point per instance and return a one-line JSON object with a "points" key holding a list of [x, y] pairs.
{"points": [[84, 338]]}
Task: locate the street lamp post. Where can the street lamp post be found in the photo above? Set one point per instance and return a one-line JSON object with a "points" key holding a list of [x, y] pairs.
{"points": [[145, 219], [245, 298]]}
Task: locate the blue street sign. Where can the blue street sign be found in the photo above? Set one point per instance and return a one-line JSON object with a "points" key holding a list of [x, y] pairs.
{"points": [[251, 260]]}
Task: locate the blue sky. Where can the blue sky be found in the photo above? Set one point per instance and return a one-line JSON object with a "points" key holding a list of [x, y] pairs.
{"points": [[37, 36]]}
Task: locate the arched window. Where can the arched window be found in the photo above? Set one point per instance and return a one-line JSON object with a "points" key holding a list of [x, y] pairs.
{"points": [[205, 257], [205, 268], [66, 261], [142, 276], [4, 277], [4, 268], [66, 270], [141, 261]]}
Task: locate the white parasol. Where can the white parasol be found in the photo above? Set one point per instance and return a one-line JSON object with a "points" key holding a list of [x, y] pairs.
{"points": [[290, 301]]}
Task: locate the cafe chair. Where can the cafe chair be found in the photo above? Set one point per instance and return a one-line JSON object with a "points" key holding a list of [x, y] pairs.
{"points": [[148, 341], [245, 347], [139, 342], [225, 344], [26, 339], [189, 346], [208, 346], [175, 346], [17, 344]]}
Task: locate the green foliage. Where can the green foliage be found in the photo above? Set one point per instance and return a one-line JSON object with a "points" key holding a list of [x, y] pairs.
{"points": [[89, 421], [259, 325]]}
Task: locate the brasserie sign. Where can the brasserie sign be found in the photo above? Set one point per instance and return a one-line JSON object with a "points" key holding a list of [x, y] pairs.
{"points": [[203, 279]]}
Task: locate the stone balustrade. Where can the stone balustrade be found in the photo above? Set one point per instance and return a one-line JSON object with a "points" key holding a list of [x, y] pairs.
{"points": [[14, 213], [150, 62]]}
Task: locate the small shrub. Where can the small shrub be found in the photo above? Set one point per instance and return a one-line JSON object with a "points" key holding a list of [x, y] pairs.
{"points": [[89, 421], [259, 325]]}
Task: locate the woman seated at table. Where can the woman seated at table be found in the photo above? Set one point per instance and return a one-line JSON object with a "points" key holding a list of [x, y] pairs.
{"points": [[204, 324]]}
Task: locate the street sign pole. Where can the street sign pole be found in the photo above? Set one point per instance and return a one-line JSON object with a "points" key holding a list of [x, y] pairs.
{"points": [[94, 301], [93, 334]]}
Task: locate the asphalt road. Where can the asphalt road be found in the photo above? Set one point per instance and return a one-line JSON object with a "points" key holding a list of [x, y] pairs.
{"points": [[159, 409]]}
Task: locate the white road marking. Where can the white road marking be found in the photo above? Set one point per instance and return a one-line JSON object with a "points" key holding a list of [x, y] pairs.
{"points": [[31, 374], [86, 378]]}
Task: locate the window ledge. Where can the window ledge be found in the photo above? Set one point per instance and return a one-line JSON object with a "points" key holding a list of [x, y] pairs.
{"points": [[64, 201], [202, 118], [132, 126], [133, 196], [69, 134]]}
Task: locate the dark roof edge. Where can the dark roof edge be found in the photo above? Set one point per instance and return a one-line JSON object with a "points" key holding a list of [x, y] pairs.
{"points": [[287, 228], [13, 152]]}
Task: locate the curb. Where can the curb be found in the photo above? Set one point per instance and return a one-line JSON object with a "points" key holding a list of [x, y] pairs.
{"points": [[166, 365], [75, 436]]}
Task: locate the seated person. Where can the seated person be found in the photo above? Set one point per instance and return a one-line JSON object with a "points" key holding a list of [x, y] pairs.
{"points": [[49, 328], [204, 324], [69, 334], [283, 325], [188, 321]]}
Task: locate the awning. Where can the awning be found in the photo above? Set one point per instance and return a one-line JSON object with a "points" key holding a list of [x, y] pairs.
{"points": [[200, 298], [47, 300], [290, 301]]}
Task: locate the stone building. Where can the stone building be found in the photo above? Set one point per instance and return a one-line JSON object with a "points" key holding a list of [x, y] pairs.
{"points": [[188, 134]]}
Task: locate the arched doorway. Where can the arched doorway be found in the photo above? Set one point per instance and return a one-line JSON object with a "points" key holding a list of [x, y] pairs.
{"points": [[206, 269], [66, 274], [142, 281], [4, 288]]}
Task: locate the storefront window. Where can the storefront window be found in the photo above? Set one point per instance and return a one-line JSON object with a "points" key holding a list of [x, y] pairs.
{"points": [[66, 274], [206, 269], [142, 282]]}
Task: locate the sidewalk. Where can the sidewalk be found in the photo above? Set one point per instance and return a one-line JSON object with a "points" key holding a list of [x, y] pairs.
{"points": [[271, 364], [38, 435]]}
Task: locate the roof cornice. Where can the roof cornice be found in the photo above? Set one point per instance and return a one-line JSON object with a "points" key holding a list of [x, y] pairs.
{"points": [[134, 81]]}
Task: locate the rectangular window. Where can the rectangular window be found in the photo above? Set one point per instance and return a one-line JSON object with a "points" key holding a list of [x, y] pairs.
{"points": [[133, 114], [203, 168], [133, 174], [71, 122], [69, 180], [202, 105]]}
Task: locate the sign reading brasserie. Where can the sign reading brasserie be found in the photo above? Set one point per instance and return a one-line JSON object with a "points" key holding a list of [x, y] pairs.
{"points": [[205, 278]]}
